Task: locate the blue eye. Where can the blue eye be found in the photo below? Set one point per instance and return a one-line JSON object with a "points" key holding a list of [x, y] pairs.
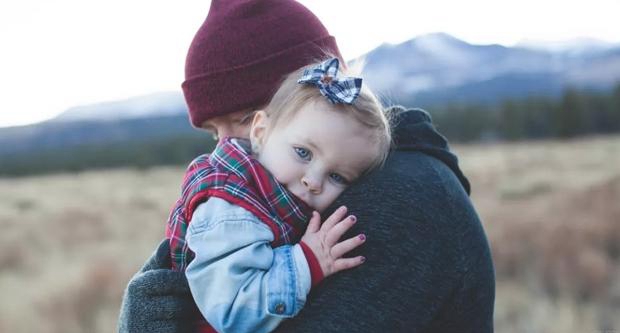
{"points": [[303, 153], [338, 179]]}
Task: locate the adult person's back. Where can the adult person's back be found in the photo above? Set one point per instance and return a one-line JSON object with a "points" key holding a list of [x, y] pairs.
{"points": [[428, 266]]}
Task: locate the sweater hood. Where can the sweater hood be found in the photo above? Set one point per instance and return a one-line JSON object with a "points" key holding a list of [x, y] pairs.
{"points": [[413, 130]]}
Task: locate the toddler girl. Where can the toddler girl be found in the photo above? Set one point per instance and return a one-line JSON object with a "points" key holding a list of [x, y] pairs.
{"points": [[236, 229]]}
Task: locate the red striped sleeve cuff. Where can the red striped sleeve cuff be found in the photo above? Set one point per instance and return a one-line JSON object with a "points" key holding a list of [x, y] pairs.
{"points": [[316, 273]]}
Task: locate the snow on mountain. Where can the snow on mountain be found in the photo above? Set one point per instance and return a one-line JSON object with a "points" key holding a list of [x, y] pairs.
{"points": [[576, 46], [438, 67], [425, 71], [439, 63]]}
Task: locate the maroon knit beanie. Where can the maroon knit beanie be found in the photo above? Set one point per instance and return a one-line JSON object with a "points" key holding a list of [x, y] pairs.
{"points": [[244, 49]]}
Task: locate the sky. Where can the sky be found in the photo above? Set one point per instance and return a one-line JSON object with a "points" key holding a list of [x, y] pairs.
{"points": [[56, 54]]}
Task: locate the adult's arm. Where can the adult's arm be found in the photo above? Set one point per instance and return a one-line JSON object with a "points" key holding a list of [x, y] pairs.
{"points": [[157, 299], [428, 263]]}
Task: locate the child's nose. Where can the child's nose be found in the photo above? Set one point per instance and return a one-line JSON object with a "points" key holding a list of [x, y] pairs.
{"points": [[311, 184]]}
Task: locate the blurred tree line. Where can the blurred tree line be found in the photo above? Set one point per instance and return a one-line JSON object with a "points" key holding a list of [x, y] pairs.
{"points": [[179, 150], [575, 113]]}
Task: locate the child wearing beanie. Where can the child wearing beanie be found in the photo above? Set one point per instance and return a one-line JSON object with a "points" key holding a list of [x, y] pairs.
{"points": [[247, 229]]}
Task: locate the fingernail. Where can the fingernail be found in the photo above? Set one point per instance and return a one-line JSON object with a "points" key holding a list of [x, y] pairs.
{"points": [[353, 218], [362, 237], [363, 259]]}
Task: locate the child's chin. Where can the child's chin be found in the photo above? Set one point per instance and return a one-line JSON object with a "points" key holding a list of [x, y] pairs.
{"points": [[317, 208]]}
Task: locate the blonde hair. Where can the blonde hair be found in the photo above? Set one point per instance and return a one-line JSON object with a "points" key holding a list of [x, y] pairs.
{"points": [[366, 109]]}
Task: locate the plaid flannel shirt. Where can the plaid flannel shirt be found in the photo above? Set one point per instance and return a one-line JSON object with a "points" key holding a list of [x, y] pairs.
{"points": [[232, 174]]}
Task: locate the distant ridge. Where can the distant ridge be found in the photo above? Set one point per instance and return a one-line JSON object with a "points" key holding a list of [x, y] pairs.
{"points": [[428, 71], [439, 68], [157, 104]]}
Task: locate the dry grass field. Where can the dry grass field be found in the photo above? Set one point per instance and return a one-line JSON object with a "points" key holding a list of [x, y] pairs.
{"points": [[69, 243], [552, 214]]}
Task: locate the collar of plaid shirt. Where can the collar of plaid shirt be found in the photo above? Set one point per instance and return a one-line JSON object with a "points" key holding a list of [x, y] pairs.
{"points": [[231, 173]]}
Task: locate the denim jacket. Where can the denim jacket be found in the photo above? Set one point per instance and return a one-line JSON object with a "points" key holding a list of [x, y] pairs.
{"points": [[238, 281]]}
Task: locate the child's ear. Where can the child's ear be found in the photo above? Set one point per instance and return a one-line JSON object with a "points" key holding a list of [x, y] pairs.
{"points": [[258, 129]]}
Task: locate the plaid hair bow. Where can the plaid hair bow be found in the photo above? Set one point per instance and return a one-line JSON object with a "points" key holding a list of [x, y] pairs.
{"points": [[337, 90]]}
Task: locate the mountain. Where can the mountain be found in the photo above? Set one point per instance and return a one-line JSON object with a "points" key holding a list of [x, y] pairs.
{"points": [[137, 119], [434, 69], [55, 134], [153, 105], [438, 68], [575, 46], [426, 71]]}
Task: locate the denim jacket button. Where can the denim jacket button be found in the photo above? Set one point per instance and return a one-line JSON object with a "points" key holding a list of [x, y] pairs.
{"points": [[280, 308]]}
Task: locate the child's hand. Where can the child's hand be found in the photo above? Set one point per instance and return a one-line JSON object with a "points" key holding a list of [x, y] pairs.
{"points": [[323, 241]]}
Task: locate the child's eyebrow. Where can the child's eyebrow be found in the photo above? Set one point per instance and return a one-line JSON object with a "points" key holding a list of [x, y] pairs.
{"points": [[312, 144]]}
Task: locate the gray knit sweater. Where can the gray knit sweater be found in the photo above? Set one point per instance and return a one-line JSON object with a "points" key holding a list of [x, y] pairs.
{"points": [[428, 265]]}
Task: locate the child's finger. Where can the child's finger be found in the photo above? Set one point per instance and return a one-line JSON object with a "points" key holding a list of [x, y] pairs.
{"points": [[334, 234], [315, 222], [348, 263], [345, 246], [336, 217]]}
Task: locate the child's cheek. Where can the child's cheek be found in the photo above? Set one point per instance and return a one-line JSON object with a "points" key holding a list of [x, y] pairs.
{"points": [[333, 193]]}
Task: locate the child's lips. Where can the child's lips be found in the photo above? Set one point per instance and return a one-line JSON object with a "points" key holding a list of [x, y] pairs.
{"points": [[305, 198]]}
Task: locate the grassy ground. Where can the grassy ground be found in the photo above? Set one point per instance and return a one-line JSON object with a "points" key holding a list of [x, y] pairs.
{"points": [[69, 243], [552, 214]]}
